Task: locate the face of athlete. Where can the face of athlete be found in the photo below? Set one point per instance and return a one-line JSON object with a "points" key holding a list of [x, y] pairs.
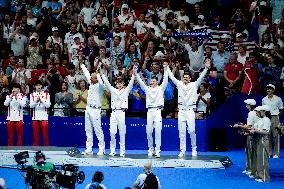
{"points": [[186, 79], [94, 78], [270, 91], [119, 85], [38, 88], [153, 83]]}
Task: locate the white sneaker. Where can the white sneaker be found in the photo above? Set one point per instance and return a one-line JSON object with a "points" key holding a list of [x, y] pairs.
{"points": [[244, 172], [101, 153], [150, 154], [251, 176], [157, 155], [181, 155], [122, 155], [248, 172], [275, 156], [112, 154], [258, 180], [194, 153], [87, 153]]}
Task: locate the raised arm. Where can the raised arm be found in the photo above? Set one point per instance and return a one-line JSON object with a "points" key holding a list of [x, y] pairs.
{"points": [[165, 78], [130, 84], [172, 77], [106, 82], [86, 73], [7, 100], [141, 82], [203, 73], [100, 81]]}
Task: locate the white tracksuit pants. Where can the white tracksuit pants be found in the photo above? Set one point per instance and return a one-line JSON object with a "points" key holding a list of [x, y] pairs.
{"points": [[117, 119], [154, 120], [93, 122], [186, 119]]}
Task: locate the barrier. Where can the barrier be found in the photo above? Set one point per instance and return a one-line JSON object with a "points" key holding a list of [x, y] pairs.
{"points": [[69, 131]]}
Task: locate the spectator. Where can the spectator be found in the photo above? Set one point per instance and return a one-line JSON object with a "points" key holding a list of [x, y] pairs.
{"points": [[271, 73], [18, 42], [63, 100], [251, 72], [131, 53], [232, 74], [20, 74], [34, 59], [87, 12], [97, 179], [242, 54], [7, 28], [55, 6], [31, 20], [155, 71], [80, 97], [142, 180], [52, 40], [36, 10], [220, 57], [203, 102]]}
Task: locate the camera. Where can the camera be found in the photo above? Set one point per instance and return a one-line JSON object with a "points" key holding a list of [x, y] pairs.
{"points": [[43, 175]]}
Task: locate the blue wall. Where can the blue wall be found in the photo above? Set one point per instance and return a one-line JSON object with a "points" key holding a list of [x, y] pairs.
{"points": [[69, 131]]}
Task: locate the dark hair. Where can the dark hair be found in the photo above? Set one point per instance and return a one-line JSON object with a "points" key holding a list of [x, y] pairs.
{"points": [[128, 50], [17, 85], [64, 82], [252, 107], [187, 73], [71, 67], [154, 77], [39, 155], [98, 177]]}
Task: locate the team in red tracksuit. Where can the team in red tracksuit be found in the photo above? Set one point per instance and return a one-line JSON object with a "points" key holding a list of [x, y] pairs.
{"points": [[15, 102], [39, 102]]}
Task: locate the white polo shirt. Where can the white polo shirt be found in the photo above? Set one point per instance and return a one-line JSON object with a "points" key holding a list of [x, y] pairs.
{"points": [[275, 104]]}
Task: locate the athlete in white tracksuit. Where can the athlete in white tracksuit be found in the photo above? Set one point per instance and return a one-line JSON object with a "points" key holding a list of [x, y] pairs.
{"points": [[119, 103], [93, 112], [187, 97], [154, 104]]}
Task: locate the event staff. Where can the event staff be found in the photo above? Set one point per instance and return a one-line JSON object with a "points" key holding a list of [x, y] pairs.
{"points": [[119, 104], [187, 97], [40, 102], [154, 103], [93, 112], [276, 106], [15, 102]]}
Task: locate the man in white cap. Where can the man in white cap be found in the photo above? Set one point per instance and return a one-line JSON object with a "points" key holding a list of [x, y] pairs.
{"points": [[93, 112], [201, 23], [187, 97], [143, 182], [275, 104], [125, 18]]}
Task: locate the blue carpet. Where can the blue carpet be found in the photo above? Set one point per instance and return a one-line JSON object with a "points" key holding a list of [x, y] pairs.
{"points": [[231, 178]]}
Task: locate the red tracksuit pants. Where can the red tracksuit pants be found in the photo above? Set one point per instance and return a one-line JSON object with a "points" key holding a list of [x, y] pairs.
{"points": [[37, 126], [19, 129]]}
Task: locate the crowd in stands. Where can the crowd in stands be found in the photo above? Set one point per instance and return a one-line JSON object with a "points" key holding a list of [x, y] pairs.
{"points": [[49, 40]]}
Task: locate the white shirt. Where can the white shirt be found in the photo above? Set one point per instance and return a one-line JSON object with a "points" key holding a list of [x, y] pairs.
{"points": [[15, 107], [20, 76], [187, 94], [119, 98], [193, 1], [101, 185], [141, 179], [201, 106], [18, 44], [195, 57], [95, 91], [69, 39], [140, 26], [184, 18], [243, 59], [275, 104], [125, 19], [88, 14], [32, 22], [7, 30], [154, 95], [252, 118], [40, 108], [158, 32], [263, 124]]}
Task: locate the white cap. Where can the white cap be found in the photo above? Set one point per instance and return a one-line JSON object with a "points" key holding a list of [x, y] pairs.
{"points": [[124, 6], [277, 21], [258, 108], [33, 37], [238, 35], [250, 102], [54, 29], [159, 54], [226, 36], [271, 86], [75, 36], [265, 108], [201, 17]]}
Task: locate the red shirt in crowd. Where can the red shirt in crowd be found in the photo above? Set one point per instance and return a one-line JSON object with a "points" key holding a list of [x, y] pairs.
{"points": [[233, 70]]}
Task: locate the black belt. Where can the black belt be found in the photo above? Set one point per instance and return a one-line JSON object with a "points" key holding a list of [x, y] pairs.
{"points": [[117, 109], [94, 107], [157, 107]]}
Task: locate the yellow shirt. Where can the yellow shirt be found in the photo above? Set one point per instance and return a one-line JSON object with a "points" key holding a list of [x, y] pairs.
{"points": [[81, 105]]}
